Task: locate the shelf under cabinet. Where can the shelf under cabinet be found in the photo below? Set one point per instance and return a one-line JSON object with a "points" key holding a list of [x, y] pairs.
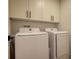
{"points": [[32, 20]]}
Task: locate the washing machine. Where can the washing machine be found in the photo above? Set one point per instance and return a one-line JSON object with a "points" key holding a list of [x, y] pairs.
{"points": [[30, 43], [58, 43]]}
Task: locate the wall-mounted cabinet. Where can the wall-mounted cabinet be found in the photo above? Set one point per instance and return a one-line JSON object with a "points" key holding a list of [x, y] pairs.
{"points": [[51, 10], [44, 10], [25, 9], [18, 8], [35, 9]]}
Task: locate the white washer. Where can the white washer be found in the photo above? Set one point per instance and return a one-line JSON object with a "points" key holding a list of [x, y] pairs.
{"points": [[59, 44], [31, 45]]}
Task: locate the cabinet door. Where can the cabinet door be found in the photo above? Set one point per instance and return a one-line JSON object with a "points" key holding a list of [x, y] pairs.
{"points": [[51, 8], [35, 9], [17, 8]]}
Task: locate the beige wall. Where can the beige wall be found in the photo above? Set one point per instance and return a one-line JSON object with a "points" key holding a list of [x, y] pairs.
{"points": [[65, 15], [9, 27], [15, 25]]}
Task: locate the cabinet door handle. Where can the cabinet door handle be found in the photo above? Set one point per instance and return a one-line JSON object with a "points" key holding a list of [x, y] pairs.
{"points": [[27, 14], [52, 18]]}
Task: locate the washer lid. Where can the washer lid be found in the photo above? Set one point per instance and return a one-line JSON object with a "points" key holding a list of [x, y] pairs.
{"points": [[30, 33]]}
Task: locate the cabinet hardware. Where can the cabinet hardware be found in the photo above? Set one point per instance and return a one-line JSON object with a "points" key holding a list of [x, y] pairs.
{"points": [[52, 18], [27, 14]]}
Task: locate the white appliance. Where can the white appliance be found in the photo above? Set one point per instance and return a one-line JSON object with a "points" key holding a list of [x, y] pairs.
{"points": [[30, 43], [59, 44]]}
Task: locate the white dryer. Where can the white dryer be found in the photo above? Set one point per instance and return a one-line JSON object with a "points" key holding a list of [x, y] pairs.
{"points": [[30, 43], [59, 44]]}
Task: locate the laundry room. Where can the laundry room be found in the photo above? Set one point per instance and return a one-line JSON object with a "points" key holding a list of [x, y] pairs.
{"points": [[39, 29]]}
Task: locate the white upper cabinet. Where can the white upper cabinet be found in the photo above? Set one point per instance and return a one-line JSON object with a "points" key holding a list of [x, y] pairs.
{"points": [[25, 9], [18, 8], [44, 10], [35, 9], [51, 10]]}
